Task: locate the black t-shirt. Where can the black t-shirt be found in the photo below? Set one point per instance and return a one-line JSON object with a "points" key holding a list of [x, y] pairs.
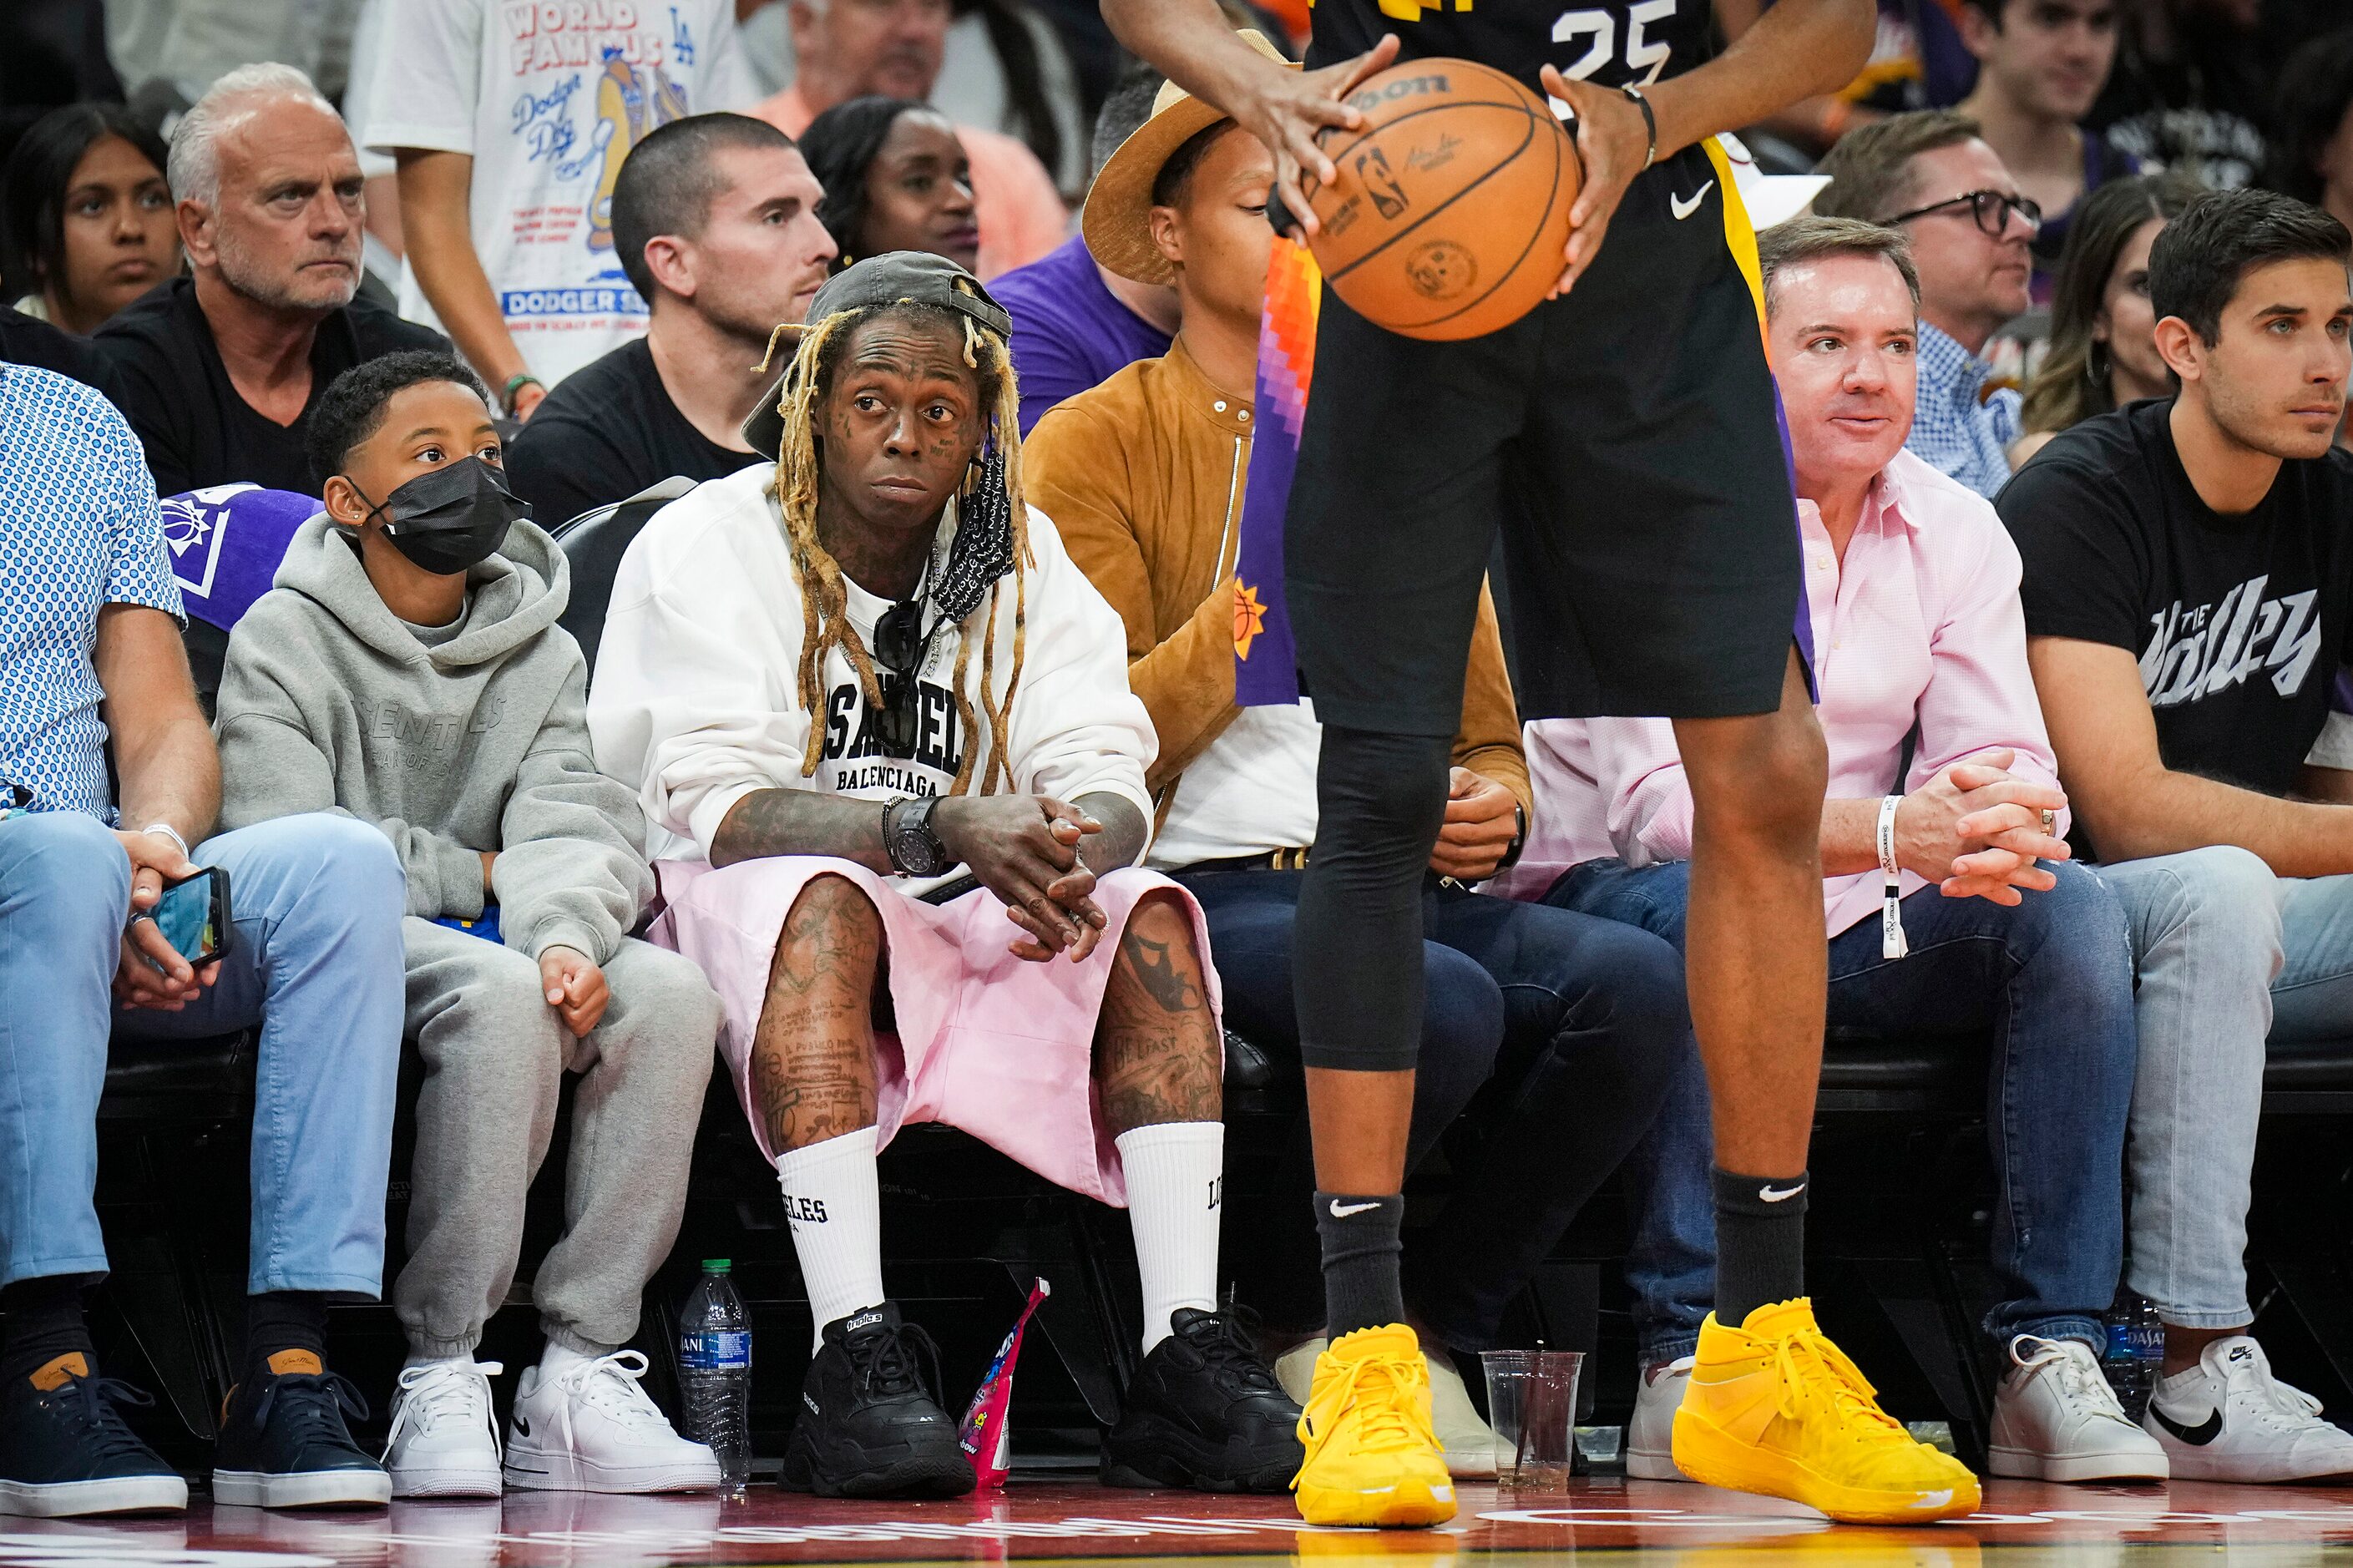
{"points": [[2239, 621], [26, 340], [605, 433], [171, 384], [1614, 43]]}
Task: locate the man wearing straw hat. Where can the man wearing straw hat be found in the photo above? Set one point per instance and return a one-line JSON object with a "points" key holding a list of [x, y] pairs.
{"points": [[1588, 1014], [885, 725]]}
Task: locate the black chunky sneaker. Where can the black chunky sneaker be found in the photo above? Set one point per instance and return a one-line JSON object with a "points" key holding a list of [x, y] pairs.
{"points": [[283, 1443], [871, 1423], [1205, 1412], [63, 1449]]}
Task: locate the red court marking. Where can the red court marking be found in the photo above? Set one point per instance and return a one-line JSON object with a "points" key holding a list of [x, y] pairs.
{"points": [[1041, 1520]]}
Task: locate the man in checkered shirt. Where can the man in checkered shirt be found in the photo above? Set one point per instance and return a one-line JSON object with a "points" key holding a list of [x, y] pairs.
{"points": [[91, 658]]}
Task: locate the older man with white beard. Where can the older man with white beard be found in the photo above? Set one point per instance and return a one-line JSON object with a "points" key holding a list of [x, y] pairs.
{"points": [[217, 370]]}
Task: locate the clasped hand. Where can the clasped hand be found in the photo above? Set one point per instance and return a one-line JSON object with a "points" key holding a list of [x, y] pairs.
{"points": [[1024, 849], [1975, 831]]}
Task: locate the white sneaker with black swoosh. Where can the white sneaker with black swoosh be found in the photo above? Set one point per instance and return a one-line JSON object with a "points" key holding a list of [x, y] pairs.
{"points": [[591, 1428], [2229, 1419]]}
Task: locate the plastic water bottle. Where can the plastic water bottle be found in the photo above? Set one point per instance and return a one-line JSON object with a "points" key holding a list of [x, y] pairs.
{"points": [[714, 1359], [2135, 1357]]}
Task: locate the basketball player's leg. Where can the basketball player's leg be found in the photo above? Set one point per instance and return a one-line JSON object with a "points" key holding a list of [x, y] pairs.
{"points": [[1758, 979], [1678, 565], [1391, 516]]}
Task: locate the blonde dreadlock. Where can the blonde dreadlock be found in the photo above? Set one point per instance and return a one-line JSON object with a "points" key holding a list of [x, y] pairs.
{"points": [[824, 604]]}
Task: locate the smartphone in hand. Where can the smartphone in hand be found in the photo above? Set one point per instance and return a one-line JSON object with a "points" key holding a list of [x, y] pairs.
{"points": [[193, 916]]}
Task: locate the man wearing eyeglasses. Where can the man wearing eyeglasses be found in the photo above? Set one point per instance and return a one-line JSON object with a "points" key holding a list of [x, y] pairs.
{"points": [[1932, 175]]}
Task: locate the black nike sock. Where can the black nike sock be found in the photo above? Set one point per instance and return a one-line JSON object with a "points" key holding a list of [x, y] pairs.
{"points": [[45, 1322], [1361, 1252], [1760, 1242], [278, 1321]]}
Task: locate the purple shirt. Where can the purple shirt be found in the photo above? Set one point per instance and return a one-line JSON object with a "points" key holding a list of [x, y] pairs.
{"points": [[1069, 332]]}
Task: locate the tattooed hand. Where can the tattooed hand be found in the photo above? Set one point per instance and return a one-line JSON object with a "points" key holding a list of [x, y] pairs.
{"points": [[1024, 849]]}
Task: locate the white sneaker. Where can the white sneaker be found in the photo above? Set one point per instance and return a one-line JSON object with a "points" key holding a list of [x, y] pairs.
{"points": [[592, 1429], [1470, 1443], [1650, 1435], [2056, 1419], [443, 1441], [2229, 1419]]}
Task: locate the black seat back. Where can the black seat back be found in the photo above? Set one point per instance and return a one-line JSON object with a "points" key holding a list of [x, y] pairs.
{"points": [[593, 543]]}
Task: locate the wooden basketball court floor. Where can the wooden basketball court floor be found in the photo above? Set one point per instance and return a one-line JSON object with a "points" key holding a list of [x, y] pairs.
{"points": [[1060, 1522]]}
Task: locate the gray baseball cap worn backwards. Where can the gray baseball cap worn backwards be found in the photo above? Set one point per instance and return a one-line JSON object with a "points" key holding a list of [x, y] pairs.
{"points": [[910, 277]]}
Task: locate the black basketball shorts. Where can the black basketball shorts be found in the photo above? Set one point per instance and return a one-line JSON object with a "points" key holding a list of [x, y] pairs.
{"points": [[1628, 440]]}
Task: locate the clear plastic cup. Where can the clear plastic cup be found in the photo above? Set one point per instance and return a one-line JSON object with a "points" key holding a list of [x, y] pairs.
{"points": [[1532, 1406]]}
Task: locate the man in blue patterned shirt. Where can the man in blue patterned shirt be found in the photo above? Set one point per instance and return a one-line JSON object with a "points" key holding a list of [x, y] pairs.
{"points": [[1932, 175], [90, 660]]}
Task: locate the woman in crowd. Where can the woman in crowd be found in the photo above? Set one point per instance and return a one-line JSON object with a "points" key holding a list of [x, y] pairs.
{"points": [[2102, 333], [895, 178], [2312, 157], [85, 219]]}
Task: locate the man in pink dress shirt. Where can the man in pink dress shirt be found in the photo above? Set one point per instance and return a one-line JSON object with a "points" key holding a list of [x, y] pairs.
{"points": [[1947, 893]]}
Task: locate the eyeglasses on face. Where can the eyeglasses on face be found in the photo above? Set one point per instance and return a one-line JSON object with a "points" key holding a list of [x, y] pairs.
{"points": [[1991, 208]]}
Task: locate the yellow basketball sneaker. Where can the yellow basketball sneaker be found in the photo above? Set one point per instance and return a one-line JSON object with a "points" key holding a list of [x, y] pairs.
{"points": [[1372, 1455], [1772, 1407]]}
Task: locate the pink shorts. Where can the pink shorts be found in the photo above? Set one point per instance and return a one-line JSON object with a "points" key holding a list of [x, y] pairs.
{"points": [[997, 1046]]}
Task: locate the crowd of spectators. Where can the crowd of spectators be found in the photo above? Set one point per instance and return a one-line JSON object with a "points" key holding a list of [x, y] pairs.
{"points": [[605, 263]]}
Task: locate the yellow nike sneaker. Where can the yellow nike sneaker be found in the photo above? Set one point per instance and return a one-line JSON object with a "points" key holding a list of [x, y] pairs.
{"points": [[1772, 1407], [1372, 1455]]}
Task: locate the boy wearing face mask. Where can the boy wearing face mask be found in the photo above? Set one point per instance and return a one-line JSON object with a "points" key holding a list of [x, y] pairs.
{"points": [[407, 669]]}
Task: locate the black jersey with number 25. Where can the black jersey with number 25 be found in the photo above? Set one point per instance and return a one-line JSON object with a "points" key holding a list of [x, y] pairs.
{"points": [[1618, 43]]}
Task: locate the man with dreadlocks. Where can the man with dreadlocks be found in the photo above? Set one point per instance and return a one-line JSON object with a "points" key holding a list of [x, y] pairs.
{"points": [[883, 715]]}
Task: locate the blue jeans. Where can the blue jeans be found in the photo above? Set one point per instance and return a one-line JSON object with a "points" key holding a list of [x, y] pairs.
{"points": [[2052, 978], [2229, 956], [1567, 1030], [316, 962]]}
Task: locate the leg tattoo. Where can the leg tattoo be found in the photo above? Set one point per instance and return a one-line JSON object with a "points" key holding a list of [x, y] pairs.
{"points": [[813, 1053], [1158, 1055]]}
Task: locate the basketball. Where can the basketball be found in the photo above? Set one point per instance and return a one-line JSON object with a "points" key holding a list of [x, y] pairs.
{"points": [[1450, 210]]}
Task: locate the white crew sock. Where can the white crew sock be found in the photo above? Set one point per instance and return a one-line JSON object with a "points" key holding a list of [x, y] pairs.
{"points": [[1175, 1184], [415, 1359], [556, 1360], [834, 1205]]}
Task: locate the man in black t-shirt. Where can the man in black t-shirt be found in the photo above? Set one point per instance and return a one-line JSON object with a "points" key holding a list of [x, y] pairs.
{"points": [[218, 371], [2189, 595], [715, 219]]}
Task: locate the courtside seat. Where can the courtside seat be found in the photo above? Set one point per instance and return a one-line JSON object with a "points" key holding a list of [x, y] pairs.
{"points": [[593, 543]]}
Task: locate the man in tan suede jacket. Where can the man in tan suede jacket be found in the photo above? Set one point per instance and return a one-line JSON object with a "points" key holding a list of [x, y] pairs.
{"points": [[1562, 1029]]}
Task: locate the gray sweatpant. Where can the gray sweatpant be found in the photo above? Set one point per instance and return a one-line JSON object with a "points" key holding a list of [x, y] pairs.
{"points": [[495, 1054]]}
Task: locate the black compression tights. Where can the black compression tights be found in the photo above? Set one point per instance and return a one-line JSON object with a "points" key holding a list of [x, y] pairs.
{"points": [[1356, 969]]}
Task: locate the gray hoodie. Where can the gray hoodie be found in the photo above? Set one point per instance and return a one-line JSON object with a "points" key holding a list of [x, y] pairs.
{"points": [[450, 743]]}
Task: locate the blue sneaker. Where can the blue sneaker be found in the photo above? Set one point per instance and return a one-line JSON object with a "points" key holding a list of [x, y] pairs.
{"points": [[65, 1450], [283, 1443]]}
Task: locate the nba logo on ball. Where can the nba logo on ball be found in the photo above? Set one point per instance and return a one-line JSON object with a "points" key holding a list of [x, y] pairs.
{"points": [[1448, 212]]}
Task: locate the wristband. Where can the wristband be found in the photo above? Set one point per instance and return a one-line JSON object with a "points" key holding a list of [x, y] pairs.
{"points": [[1891, 909], [1650, 122], [515, 383], [172, 833]]}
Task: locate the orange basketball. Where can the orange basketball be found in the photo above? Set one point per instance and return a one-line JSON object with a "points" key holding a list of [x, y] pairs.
{"points": [[1450, 210]]}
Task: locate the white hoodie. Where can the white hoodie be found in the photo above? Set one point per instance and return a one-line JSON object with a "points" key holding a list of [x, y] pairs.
{"points": [[696, 702]]}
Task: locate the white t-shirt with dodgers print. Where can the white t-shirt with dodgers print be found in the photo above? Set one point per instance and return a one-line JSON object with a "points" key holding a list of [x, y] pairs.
{"points": [[548, 97]]}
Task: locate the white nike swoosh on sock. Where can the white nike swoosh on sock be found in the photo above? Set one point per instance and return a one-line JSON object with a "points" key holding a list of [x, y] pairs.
{"points": [[1342, 1211], [1766, 1193]]}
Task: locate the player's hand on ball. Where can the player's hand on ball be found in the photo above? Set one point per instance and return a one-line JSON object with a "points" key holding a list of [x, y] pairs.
{"points": [[1482, 819], [1612, 138], [1287, 108]]}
